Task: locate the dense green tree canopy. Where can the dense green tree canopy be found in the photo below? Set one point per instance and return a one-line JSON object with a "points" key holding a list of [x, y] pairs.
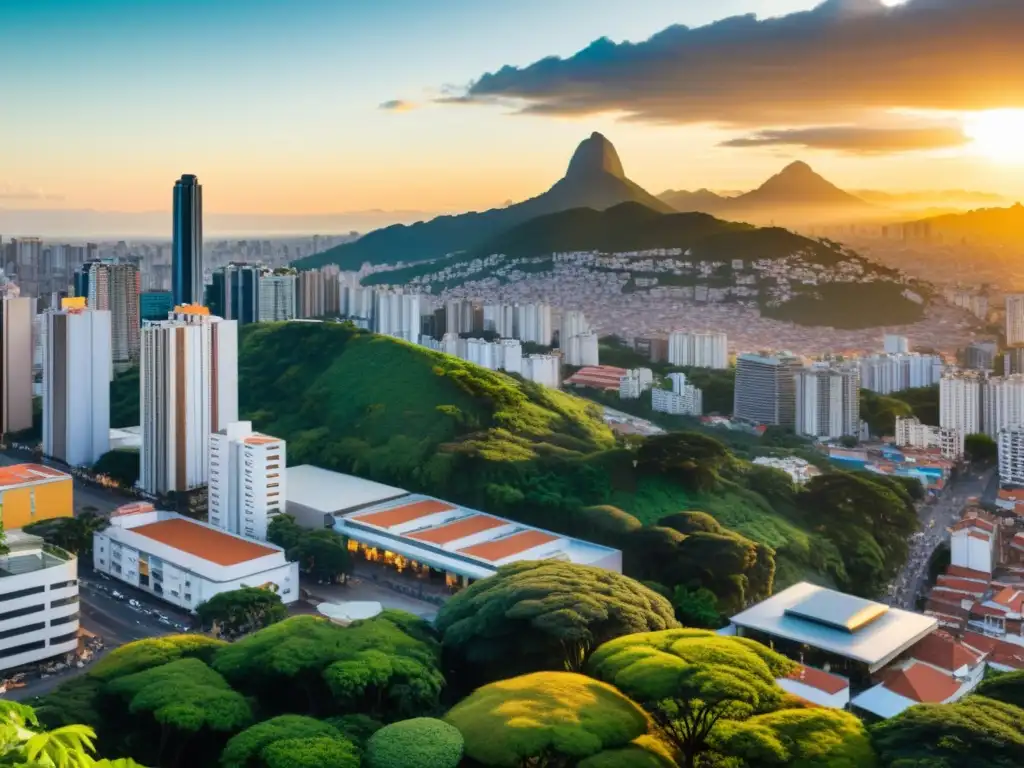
{"points": [[356, 728], [249, 748], [122, 465], [545, 715], [152, 652], [1007, 687], [422, 742], [317, 752], [980, 449], [241, 611], [322, 555], [689, 458], [284, 531], [976, 732], [542, 615]]}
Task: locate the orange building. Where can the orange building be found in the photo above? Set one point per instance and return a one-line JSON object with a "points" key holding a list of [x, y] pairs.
{"points": [[30, 493]]}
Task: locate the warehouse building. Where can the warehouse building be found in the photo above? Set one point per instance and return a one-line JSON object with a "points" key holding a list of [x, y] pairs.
{"points": [[186, 562], [316, 496], [30, 493]]}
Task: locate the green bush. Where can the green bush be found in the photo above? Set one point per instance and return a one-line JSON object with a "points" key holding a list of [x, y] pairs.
{"points": [[422, 742], [153, 652], [248, 747]]}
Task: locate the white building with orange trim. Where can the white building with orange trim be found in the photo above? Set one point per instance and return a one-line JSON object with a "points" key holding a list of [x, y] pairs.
{"points": [[186, 562], [247, 480]]}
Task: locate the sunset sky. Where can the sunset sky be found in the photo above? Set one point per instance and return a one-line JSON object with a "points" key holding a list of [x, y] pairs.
{"points": [[316, 106]]}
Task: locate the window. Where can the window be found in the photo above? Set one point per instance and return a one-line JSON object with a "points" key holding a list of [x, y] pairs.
{"points": [[21, 593], [24, 629], [188, 583], [64, 601], [61, 639], [188, 597], [64, 619], [287, 591], [272, 485], [22, 612], [63, 584], [15, 650]]}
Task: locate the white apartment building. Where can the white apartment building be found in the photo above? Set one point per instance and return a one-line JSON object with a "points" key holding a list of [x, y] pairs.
{"points": [[397, 314], [277, 295], [686, 400], [501, 355], [39, 595], [896, 345], [1011, 456], [911, 433], [973, 545], [533, 324], [960, 396], [1014, 319], [698, 350], [247, 480], [574, 323], [545, 370], [189, 389], [581, 350], [885, 374], [114, 287], [501, 319], [76, 385], [185, 562], [319, 292], [827, 402], [357, 302], [1003, 403], [635, 382]]}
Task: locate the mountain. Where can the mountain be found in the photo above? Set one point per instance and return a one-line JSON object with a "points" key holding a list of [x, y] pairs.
{"points": [[703, 200], [990, 225], [594, 179]]}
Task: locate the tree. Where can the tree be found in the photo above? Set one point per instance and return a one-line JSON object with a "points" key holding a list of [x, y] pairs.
{"points": [[848, 441], [690, 680], [976, 732], [121, 465], [1007, 687], [543, 615], [75, 534], [604, 524], [981, 449], [697, 608], [322, 555], [153, 652], [356, 728], [320, 752], [249, 749], [284, 531], [422, 742], [545, 719], [241, 611], [774, 484], [689, 458]]}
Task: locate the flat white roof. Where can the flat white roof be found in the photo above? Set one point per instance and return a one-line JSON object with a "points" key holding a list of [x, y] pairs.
{"points": [[882, 702], [812, 615], [332, 492]]}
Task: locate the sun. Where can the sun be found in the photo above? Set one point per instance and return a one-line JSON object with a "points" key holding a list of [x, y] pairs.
{"points": [[997, 134]]}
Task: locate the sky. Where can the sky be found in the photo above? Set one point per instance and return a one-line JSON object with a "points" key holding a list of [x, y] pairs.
{"points": [[318, 106]]}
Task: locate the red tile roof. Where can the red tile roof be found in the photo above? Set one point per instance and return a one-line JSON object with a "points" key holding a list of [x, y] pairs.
{"points": [[459, 529], [492, 551], [1000, 651], [973, 586], [819, 679], [941, 650], [203, 542], [967, 573], [403, 513], [17, 474], [1012, 598], [923, 684]]}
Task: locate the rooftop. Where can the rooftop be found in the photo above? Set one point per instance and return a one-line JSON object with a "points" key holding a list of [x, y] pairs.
{"points": [[333, 492], [922, 683], [837, 623], [404, 513], [819, 680], [942, 650], [25, 474], [202, 542]]}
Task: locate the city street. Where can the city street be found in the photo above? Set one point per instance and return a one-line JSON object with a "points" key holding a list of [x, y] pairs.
{"points": [[935, 519]]}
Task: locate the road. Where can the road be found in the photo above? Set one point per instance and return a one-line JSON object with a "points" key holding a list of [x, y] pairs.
{"points": [[935, 519]]}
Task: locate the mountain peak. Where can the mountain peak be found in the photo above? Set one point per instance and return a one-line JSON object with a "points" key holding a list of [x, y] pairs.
{"points": [[798, 166], [595, 155]]}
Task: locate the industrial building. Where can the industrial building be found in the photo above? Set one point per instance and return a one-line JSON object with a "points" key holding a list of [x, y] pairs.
{"points": [[316, 496], [30, 493], [186, 562]]}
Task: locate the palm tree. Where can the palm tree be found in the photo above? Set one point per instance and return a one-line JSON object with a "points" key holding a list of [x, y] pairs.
{"points": [[67, 747]]}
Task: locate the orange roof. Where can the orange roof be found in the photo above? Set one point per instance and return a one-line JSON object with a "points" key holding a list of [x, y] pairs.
{"points": [[1002, 652], [73, 302], [973, 521], [459, 529], [922, 684], [819, 679], [967, 573], [134, 508], [19, 474], [203, 542], [404, 513], [963, 585], [191, 309], [261, 440], [1012, 598], [1017, 495], [941, 650], [499, 549]]}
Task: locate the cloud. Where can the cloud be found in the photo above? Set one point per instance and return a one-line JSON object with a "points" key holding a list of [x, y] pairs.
{"points": [[9, 194], [855, 139], [830, 64], [397, 105]]}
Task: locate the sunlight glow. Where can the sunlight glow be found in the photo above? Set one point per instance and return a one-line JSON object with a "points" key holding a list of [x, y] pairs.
{"points": [[998, 134]]}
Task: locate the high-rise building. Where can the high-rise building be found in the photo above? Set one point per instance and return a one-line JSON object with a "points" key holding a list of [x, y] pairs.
{"points": [[247, 480], [276, 296], [234, 292], [884, 374], [684, 399], [828, 402], [319, 292], [896, 345], [16, 364], [533, 324], [114, 287], [1002, 403], [981, 356], [500, 319], [1014, 319], [397, 314], [578, 343], [76, 384], [357, 303], [635, 382], [766, 389], [1011, 456], [155, 305], [189, 389], [960, 397], [187, 247], [543, 369], [698, 350]]}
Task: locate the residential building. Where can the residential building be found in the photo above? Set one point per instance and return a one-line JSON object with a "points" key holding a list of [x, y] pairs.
{"points": [[766, 389], [911, 433], [686, 401], [234, 293], [39, 592], [357, 302], [533, 324], [186, 562], [500, 319], [155, 305], [635, 382], [16, 353], [189, 389], [827, 402], [698, 350], [896, 345], [582, 349], [1014, 319], [77, 362], [1011, 456], [973, 544], [1013, 361], [276, 296], [459, 317], [114, 287], [397, 314], [319, 292], [799, 470], [545, 370], [981, 356], [187, 244], [1002, 403], [960, 397], [885, 374], [247, 480], [654, 348]]}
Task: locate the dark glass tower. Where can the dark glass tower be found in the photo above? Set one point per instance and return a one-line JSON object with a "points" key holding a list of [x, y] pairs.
{"points": [[187, 257], [234, 293]]}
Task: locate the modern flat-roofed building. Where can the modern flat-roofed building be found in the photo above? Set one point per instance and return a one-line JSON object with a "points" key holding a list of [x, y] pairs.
{"points": [[39, 595], [458, 545], [316, 496], [30, 493], [766, 389], [247, 480], [186, 562], [16, 364]]}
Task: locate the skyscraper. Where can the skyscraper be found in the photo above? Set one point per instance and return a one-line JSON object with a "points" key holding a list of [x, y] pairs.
{"points": [[766, 389], [247, 480], [114, 287], [1014, 319], [277, 294], [234, 293], [76, 384], [16, 364], [698, 350], [187, 255], [828, 402], [189, 389]]}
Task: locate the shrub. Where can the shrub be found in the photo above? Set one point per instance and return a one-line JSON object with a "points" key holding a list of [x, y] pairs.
{"points": [[422, 742]]}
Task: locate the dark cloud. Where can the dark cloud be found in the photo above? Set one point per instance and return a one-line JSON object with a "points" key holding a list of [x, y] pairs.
{"points": [[854, 139], [831, 64], [397, 105]]}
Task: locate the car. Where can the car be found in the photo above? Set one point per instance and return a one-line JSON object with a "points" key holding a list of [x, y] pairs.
{"points": [[118, 595], [134, 603]]}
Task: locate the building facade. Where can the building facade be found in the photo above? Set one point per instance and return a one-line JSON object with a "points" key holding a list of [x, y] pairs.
{"points": [[16, 315], [247, 480], [885, 374], [1011, 456], [77, 360], [277, 294], [911, 433], [960, 397], [545, 370], [234, 293], [114, 287], [187, 244], [533, 324], [828, 402], [698, 350], [896, 345], [1002, 403], [766, 389], [155, 305], [397, 314], [1014, 319], [189, 389]]}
